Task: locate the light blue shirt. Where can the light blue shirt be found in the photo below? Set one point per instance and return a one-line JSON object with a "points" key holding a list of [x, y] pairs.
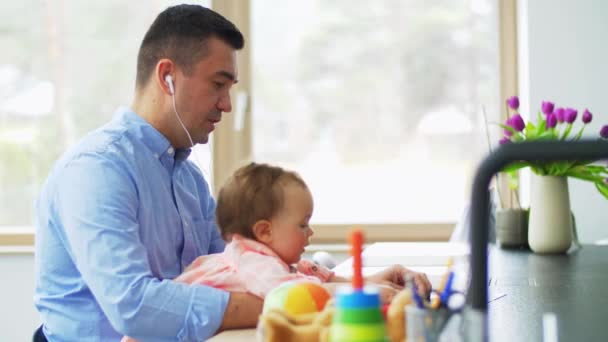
{"points": [[120, 215]]}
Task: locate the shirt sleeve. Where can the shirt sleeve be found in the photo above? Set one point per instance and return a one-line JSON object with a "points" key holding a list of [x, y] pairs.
{"points": [[309, 268], [97, 206], [261, 273]]}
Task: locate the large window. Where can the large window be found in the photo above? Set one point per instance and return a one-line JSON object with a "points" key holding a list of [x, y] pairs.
{"points": [[378, 104], [64, 68]]}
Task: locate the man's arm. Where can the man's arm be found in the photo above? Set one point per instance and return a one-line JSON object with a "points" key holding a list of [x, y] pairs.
{"points": [[242, 311]]}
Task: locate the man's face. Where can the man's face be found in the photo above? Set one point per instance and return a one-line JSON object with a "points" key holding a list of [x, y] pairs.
{"points": [[203, 96]]}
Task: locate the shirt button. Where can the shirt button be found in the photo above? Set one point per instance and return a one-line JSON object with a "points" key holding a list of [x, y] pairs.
{"points": [[185, 223], [170, 150]]}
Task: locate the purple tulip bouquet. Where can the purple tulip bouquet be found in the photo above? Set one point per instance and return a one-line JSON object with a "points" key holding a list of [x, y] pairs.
{"points": [[554, 124]]}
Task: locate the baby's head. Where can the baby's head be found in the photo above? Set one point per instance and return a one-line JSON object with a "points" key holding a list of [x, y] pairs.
{"points": [[268, 204]]}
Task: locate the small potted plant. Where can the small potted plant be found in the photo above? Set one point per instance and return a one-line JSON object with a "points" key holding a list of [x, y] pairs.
{"points": [[550, 219]]}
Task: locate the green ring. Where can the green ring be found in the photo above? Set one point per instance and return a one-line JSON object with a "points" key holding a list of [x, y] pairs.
{"points": [[358, 332], [358, 316]]}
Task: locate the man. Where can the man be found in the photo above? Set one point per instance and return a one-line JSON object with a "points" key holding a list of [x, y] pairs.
{"points": [[124, 212]]}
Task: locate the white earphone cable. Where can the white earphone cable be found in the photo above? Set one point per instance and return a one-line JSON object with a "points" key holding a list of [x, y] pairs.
{"points": [[197, 162], [180, 122]]}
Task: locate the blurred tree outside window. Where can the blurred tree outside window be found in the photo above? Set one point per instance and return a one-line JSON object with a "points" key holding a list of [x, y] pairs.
{"points": [[377, 104]]}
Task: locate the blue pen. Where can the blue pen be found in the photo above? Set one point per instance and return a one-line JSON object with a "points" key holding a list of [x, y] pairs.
{"points": [[447, 291], [417, 298], [409, 281]]}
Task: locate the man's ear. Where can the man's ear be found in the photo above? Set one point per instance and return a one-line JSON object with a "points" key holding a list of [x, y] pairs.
{"points": [[262, 231]]}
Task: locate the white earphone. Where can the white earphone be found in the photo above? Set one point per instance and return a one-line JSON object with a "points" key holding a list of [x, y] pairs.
{"points": [[169, 80]]}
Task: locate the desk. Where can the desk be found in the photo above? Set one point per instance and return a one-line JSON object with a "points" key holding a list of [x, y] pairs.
{"points": [[574, 287], [428, 257]]}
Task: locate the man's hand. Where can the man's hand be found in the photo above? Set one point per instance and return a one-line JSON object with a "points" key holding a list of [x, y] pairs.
{"points": [[387, 292], [394, 276], [242, 311]]}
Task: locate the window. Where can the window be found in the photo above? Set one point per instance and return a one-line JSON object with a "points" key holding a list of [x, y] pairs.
{"points": [[377, 104], [64, 68]]}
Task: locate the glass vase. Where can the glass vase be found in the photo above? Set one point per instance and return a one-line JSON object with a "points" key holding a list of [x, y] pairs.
{"points": [[550, 222]]}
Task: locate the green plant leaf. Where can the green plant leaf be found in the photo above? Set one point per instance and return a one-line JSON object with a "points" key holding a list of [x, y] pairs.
{"points": [[542, 123], [567, 131], [518, 138], [513, 180], [602, 188], [597, 168], [584, 176], [546, 135], [530, 131], [538, 169], [512, 167], [508, 128], [580, 133]]}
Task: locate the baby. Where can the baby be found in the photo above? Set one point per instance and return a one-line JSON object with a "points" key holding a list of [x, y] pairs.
{"points": [[264, 213]]}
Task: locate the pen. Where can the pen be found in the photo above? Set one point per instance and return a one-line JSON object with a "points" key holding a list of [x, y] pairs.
{"points": [[409, 281], [448, 288], [417, 297], [436, 300]]}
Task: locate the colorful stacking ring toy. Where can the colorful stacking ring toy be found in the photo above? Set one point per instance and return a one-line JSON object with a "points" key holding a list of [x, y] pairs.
{"points": [[358, 315]]}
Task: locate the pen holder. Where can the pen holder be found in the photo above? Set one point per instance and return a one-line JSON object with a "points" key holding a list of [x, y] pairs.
{"points": [[424, 324]]}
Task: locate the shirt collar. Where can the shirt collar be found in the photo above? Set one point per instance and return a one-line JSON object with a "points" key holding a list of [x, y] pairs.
{"points": [[154, 140]]}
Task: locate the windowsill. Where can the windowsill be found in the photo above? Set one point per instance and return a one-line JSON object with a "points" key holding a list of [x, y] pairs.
{"points": [[16, 236], [327, 237], [16, 250], [328, 247]]}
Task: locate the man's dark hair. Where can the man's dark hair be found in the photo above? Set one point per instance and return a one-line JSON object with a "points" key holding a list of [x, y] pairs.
{"points": [[180, 33]]}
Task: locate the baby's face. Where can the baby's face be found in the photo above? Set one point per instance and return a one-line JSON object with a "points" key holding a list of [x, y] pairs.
{"points": [[290, 229]]}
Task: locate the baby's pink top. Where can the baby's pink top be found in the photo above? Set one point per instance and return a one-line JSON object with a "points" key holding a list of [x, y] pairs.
{"points": [[249, 266]]}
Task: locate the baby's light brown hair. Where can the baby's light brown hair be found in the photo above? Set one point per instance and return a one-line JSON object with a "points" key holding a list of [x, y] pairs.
{"points": [[254, 192]]}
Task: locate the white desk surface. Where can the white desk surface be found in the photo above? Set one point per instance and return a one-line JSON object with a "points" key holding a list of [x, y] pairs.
{"points": [[427, 257]]}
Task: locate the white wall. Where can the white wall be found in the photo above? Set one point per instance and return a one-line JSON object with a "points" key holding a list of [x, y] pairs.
{"points": [[564, 58], [18, 316]]}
